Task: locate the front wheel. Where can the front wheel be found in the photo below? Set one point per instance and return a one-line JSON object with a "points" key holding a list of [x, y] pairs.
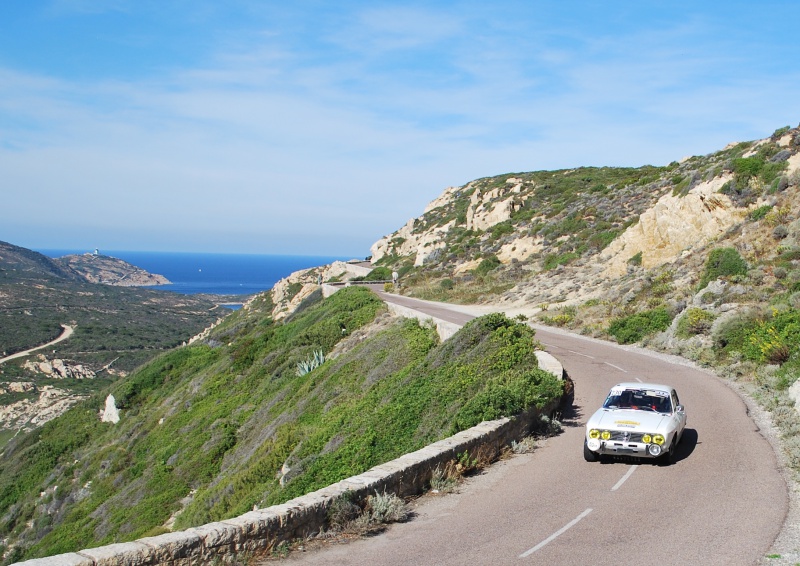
{"points": [[588, 455], [668, 458]]}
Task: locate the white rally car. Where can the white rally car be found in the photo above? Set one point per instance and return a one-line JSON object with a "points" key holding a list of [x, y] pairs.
{"points": [[643, 420]]}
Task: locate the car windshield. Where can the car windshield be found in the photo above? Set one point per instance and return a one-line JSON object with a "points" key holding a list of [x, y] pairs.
{"points": [[639, 399]]}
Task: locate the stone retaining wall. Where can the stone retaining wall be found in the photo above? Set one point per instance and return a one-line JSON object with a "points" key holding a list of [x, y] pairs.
{"points": [[260, 531], [443, 328]]}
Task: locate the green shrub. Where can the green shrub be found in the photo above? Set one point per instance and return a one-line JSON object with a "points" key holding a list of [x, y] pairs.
{"points": [[551, 261], [486, 265], [501, 229], [760, 212], [780, 132], [747, 167], [564, 316], [377, 274], [293, 289], [722, 262], [633, 328], [695, 321], [772, 339]]}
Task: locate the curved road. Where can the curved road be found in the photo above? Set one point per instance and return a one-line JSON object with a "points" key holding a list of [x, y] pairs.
{"points": [[722, 502], [68, 330]]}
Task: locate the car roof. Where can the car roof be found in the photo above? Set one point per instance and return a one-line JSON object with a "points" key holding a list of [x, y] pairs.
{"points": [[637, 385]]}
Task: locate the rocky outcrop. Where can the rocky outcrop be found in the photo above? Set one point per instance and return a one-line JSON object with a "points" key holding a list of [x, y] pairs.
{"points": [[520, 249], [44, 403], [493, 207], [17, 387], [409, 241], [58, 368], [28, 414], [674, 226], [485, 209], [290, 291]]}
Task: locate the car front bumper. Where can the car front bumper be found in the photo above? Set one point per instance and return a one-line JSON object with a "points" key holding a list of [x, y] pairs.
{"points": [[624, 448]]}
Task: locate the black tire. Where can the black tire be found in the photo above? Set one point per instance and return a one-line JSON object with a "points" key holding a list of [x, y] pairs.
{"points": [[588, 455], [668, 458]]}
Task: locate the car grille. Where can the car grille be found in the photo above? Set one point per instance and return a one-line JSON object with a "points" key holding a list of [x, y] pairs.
{"points": [[626, 436]]}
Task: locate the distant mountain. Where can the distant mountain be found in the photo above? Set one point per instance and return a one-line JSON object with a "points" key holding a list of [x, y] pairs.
{"points": [[106, 270], [22, 263]]}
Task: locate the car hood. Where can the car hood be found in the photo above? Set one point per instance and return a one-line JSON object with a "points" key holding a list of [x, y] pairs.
{"points": [[626, 419]]}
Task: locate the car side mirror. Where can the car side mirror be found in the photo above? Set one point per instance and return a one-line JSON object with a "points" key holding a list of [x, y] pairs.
{"points": [[679, 408]]}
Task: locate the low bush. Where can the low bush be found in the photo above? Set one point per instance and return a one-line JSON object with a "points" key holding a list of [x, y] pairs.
{"points": [[695, 321], [760, 212], [377, 274], [633, 328], [563, 317], [342, 512], [445, 480], [772, 339], [501, 229], [551, 261], [486, 265], [386, 508], [722, 262]]}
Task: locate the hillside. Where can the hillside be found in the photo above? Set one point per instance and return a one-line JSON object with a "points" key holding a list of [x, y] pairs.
{"points": [[18, 263], [116, 329], [243, 418]]}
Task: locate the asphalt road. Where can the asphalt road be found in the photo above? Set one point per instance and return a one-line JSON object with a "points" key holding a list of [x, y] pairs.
{"points": [[722, 502]]}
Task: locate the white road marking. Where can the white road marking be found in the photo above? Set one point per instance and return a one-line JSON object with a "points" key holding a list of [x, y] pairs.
{"points": [[625, 477], [570, 351], [616, 367], [639, 380], [584, 355], [556, 534]]}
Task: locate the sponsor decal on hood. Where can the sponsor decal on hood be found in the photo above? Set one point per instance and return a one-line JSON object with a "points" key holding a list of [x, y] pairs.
{"points": [[627, 419]]}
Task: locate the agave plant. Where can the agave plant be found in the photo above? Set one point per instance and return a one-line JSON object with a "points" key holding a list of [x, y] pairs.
{"points": [[311, 363]]}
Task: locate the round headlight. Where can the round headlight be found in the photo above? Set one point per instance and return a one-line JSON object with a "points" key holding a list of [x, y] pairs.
{"points": [[654, 449], [646, 438], [605, 435], [658, 439], [593, 444], [594, 433]]}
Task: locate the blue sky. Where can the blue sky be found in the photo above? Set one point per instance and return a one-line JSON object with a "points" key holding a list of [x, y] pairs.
{"points": [[318, 127]]}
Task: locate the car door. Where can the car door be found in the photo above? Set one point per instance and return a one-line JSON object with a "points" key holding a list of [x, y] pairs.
{"points": [[678, 415]]}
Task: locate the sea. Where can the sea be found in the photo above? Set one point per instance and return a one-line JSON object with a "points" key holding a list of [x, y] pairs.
{"points": [[212, 273]]}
